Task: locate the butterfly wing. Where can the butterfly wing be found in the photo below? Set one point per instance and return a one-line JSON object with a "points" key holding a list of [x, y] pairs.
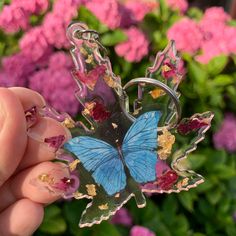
{"points": [[102, 160], [139, 147]]}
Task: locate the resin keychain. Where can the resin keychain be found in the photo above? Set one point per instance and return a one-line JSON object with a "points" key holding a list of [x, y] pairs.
{"points": [[124, 146]]}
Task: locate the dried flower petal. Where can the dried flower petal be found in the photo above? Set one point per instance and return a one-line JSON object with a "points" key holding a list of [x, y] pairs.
{"points": [[187, 126], [55, 141], [167, 180]]}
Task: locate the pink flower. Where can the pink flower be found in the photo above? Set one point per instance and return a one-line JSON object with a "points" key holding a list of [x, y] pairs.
{"points": [[59, 60], [16, 68], [32, 6], [71, 7], [135, 47], [181, 5], [141, 231], [216, 14], [122, 217], [139, 9], [34, 44], [108, 12], [57, 86], [13, 18], [186, 34], [215, 41], [54, 29], [225, 137]]}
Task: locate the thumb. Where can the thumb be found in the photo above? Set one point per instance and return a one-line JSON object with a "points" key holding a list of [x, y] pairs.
{"points": [[13, 138]]}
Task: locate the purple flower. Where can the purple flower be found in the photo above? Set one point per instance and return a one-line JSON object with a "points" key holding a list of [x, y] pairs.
{"points": [[135, 47], [122, 217], [141, 231], [16, 68], [57, 86], [34, 44], [59, 60], [225, 137]]}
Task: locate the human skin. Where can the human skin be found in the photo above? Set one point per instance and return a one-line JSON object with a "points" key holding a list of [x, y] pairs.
{"points": [[23, 159]]}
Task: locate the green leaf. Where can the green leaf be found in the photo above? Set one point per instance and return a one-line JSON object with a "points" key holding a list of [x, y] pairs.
{"points": [[214, 195], [105, 228], [88, 17], [197, 72], [113, 38], [53, 221], [217, 64], [196, 160], [195, 13], [187, 200], [223, 80]]}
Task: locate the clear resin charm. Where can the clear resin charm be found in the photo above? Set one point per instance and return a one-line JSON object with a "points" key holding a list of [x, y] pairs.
{"points": [[124, 146]]}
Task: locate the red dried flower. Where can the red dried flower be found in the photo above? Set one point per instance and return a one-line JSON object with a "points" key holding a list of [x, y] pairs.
{"points": [[99, 113], [169, 70], [167, 180], [189, 125], [55, 141], [90, 78]]}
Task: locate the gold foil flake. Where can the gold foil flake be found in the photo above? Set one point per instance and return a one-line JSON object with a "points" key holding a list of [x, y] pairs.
{"points": [[110, 81], [166, 68], [83, 51], [88, 108], [68, 123], [103, 207], [89, 59], [182, 183], [117, 195], [74, 164], [114, 125], [91, 190], [156, 93], [45, 178], [77, 195], [165, 141]]}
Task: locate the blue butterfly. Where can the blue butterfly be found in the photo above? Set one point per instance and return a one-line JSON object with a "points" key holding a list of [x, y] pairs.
{"points": [[138, 153]]}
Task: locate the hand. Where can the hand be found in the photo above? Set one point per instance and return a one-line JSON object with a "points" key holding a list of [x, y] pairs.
{"points": [[23, 159]]}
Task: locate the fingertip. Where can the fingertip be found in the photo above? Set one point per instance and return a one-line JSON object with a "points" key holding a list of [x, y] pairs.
{"points": [[21, 218], [28, 97]]}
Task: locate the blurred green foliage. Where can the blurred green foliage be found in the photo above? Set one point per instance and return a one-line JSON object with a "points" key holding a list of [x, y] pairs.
{"points": [[206, 210]]}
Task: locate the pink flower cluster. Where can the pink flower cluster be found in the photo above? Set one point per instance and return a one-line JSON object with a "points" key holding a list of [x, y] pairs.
{"points": [[123, 217], [55, 83], [141, 231], [135, 47], [115, 14], [212, 35], [225, 137], [16, 16], [181, 5]]}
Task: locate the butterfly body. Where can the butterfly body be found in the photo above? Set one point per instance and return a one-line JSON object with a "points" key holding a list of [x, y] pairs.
{"points": [[108, 164]]}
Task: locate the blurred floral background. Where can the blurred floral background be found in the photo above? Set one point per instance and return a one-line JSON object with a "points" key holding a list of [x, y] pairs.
{"points": [[34, 53]]}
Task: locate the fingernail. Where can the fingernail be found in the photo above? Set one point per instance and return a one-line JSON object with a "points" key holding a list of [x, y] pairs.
{"points": [[55, 142], [31, 116], [59, 181]]}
